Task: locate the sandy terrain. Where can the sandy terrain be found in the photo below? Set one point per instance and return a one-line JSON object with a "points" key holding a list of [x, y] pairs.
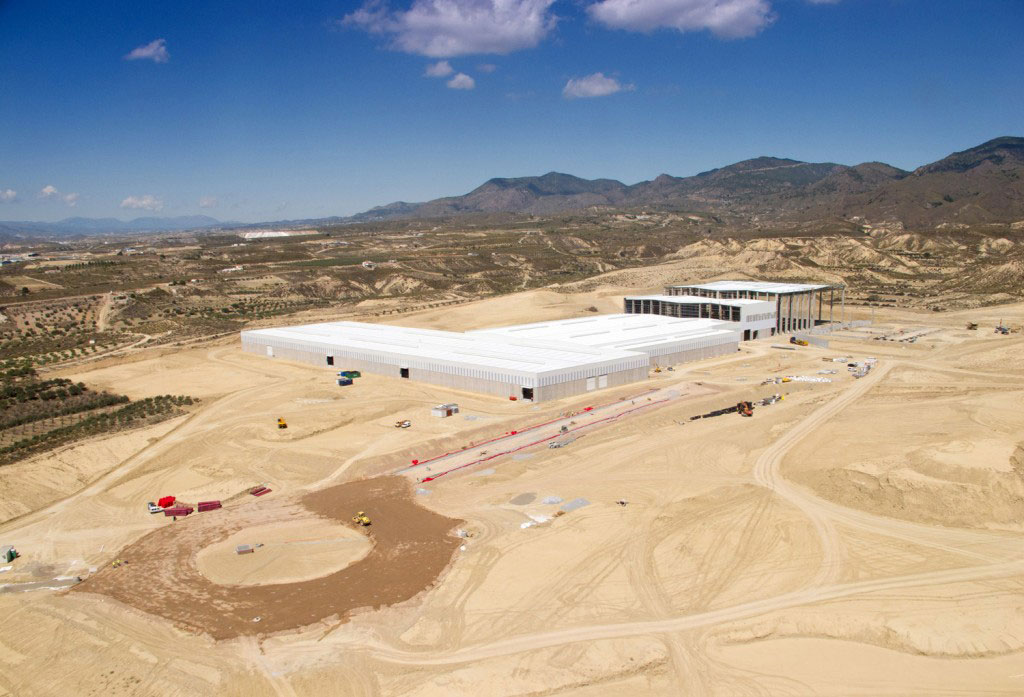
{"points": [[860, 537], [293, 551]]}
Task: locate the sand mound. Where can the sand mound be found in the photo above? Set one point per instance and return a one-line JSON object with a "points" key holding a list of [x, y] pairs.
{"points": [[297, 551]]}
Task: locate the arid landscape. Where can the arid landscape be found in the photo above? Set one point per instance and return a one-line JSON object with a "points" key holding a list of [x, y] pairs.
{"points": [[857, 537], [512, 348]]}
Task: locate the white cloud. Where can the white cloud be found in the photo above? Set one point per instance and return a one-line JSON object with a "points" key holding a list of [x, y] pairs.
{"points": [[51, 192], [487, 67], [208, 202], [726, 19], [462, 82], [439, 69], [155, 51], [147, 202], [447, 28], [8, 195], [596, 85]]}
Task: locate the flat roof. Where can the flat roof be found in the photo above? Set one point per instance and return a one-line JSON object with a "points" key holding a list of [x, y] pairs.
{"points": [[687, 299], [620, 331], [485, 350], [757, 286]]}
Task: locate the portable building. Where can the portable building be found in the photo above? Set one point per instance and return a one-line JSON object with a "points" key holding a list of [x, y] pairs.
{"points": [[445, 410]]}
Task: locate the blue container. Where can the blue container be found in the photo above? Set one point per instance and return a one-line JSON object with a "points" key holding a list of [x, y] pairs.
{"points": [[342, 382]]}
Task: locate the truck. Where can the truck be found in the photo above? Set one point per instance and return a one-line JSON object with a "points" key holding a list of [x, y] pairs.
{"points": [[153, 508]]}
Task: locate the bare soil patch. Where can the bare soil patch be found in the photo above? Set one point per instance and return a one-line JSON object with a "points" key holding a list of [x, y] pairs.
{"points": [[411, 547]]}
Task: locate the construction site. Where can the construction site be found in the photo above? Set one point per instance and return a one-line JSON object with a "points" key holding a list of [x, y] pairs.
{"points": [[605, 489]]}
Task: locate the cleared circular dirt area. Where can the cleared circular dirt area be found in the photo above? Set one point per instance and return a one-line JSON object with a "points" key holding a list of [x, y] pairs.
{"points": [[410, 547], [297, 551]]}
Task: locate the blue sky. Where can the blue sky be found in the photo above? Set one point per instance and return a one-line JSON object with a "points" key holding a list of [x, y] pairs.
{"points": [[261, 110]]}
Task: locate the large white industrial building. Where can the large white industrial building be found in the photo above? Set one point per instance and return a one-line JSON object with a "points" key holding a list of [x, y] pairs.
{"points": [[542, 361], [792, 306], [754, 318], [551, 360]]}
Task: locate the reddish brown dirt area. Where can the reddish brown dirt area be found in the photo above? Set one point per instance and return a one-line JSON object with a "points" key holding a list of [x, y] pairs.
{"points": [[411, 547]]}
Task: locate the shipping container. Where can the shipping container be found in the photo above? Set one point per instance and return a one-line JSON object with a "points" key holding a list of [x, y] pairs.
{"points": [[181, 510]]}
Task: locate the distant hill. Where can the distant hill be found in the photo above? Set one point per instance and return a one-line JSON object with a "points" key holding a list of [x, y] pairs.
{"points": [[94, 226], [982, 184]]}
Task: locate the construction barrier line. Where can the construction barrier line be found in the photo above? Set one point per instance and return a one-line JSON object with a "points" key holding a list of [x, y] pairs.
{"points": [[542, 440]]}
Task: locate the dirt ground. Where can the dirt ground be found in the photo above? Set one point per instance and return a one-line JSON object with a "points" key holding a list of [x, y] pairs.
{"points": [[410, 547], [288, 552], [860, 537]]}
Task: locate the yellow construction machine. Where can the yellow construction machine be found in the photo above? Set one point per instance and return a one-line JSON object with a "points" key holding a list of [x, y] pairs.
{"points": [[361, 518], [281, 423]]}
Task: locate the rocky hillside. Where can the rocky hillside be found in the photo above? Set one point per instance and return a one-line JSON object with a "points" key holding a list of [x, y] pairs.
{"points": [[984, 184]]}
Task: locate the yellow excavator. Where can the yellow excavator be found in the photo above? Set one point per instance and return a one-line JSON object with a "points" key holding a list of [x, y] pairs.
{"points": [[281, 423], [361, 518]]}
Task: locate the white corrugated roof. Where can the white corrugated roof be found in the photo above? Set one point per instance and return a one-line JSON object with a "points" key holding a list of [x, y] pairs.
{"points": [[757, 286], [514, 354], [686, 299], [621, 331]]}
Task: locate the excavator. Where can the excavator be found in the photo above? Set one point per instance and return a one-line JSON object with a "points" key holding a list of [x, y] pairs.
{"points": [[798, 342], [745, 409], [361, 518], [281, 423]]}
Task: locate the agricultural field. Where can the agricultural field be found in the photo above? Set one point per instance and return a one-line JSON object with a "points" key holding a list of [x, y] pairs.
{"points": [[41, 414]]}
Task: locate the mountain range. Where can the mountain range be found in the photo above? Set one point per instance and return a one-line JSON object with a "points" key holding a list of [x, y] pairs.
{"points": [[984, 184]]}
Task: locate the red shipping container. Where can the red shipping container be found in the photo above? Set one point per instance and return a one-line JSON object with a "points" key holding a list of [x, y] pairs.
{"points": [[166, 501]]}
